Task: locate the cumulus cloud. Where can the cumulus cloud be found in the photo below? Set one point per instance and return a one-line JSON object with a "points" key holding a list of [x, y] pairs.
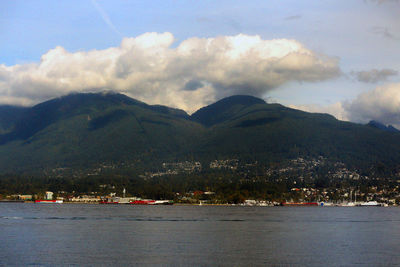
{"points": [[188, 76], [381, 104], [374, 75]]}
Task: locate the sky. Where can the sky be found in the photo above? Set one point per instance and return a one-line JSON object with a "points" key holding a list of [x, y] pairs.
{"points": [[334, 56]]}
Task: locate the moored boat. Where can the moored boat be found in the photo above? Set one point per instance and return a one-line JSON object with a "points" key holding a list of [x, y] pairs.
{"points": [[49, 201], [143, 202], [326, 204], [164, 202], [369, 204], [151, 202], [348, 204]]}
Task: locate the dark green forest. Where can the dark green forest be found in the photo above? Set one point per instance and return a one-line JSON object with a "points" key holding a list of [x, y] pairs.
{"points": [[73, 142]]}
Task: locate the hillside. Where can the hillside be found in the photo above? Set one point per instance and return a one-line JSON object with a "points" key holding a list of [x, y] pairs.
{"points": [[82, 131], [272, 132]]}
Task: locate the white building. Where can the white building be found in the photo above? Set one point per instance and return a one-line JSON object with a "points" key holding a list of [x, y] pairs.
{"points": [[49, 195]]}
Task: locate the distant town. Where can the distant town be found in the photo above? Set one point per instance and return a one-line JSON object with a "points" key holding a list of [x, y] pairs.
{"points": [[315, 181]]}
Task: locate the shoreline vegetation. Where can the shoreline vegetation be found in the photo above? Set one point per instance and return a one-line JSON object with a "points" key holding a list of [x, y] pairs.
{"points": [[221, 188]]}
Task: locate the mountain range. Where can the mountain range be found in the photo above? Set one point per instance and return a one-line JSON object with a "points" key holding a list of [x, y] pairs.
{"points": [[78, 131]]}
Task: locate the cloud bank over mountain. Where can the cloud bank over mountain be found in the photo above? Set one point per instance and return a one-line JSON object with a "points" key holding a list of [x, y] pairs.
{"points": [[381, 104], [150, 67]]}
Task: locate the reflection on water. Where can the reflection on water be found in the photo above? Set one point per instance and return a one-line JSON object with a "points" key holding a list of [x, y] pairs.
{"points": [[197, 235]]}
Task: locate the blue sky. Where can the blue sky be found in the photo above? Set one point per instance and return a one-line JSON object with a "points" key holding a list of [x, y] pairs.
{"points": [[360, 38]]}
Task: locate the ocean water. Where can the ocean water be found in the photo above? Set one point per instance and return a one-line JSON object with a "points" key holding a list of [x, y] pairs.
{"points": [[123, 235]]}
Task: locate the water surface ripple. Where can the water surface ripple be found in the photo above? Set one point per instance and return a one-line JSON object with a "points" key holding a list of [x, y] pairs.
{"points": [[123, 235]]}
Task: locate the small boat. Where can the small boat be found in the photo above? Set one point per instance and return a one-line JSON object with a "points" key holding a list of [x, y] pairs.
{"points": [[164, 202], [151, 202], [369, 204], [348, 204], [49, 201], [326, 204]]}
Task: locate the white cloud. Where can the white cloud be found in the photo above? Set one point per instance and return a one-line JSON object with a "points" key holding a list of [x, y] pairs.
{"points": [[381, 104], [149, 68]]}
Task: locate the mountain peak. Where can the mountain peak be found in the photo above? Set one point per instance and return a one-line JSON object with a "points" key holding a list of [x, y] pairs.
{"points": [[84, 130], [381, 126], [223, 109], [102, 100], [245, 100]]}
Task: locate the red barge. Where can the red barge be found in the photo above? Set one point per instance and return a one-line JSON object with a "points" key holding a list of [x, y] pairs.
{"points": [[143, 202], [49, 201], [151, 202]]}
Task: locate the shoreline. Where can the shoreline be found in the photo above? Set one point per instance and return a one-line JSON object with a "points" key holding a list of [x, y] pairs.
{"points": [[197, 204]]}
